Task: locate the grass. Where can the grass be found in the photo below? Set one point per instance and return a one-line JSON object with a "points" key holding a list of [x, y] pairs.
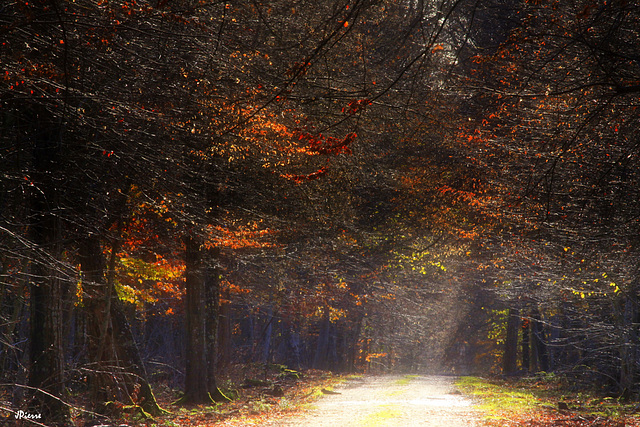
{"points": [[406, 379], [544, 400], [499, 400], [380, 417]]}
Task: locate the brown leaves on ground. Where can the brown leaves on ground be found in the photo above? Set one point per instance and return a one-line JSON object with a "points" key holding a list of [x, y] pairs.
{"points": [[551, 419], [580, 421], [265, 396]]}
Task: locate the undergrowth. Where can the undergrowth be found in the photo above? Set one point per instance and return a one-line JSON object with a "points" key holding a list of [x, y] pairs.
{"points": [[545, 400], [258, 393], [258, 403]]}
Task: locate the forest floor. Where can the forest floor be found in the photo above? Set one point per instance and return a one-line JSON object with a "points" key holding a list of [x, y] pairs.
{"points": [[271, 398], [546, 400], [325, 400]]}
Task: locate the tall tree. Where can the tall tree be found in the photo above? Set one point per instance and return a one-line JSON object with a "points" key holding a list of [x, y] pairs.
{"points": [[48, 284], [559, 109]]}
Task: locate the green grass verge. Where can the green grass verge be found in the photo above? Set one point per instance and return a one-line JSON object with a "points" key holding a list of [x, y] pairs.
{"points": [[499, 400], [540, 395]]}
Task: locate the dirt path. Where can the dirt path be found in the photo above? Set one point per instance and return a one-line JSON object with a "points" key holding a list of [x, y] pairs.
{"points": [[389, 401]]}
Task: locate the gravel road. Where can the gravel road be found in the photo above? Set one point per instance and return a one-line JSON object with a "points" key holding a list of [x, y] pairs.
{"points": [[389, 401]]}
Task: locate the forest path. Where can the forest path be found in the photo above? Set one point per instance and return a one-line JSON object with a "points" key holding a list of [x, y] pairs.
{"points": [[389, 401]]}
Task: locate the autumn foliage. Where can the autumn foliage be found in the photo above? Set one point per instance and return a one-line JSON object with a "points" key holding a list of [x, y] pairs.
{"points": [[358, 186]]}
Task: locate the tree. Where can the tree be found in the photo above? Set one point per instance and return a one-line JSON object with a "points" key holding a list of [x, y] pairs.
{"points": [[554, 125], [85, 134], [48, 285], [351, 168]]}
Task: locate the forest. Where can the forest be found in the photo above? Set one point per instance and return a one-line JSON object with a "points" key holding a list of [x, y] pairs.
{"points": [[189, 186]]}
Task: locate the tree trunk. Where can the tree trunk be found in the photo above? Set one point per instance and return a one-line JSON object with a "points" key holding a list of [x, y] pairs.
{"points": [[9, 357], [47, 359], [627, 314], [118, 371], [136, 379], [267, 333], [355, 338], [199, 378], [294, 348], [526, 360], [212, 289], [322, 347], [225, 326], [510, 358], [539, 344], [553, 337], [96, 302], [196, 381]]}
